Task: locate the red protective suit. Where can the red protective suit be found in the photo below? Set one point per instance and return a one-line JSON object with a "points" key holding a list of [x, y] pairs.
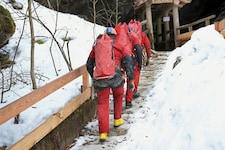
{"points": [[145, 43], [122, 59], [134, 41], [103, 107]]}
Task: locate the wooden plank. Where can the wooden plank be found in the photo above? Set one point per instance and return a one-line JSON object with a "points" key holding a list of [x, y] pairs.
{"points": [[140, 3], [223, 33], [184, 36], [85, 81], [196, 22], [16, 107], [181, 3], [221, 26], [36, 135], [216, 26], [161, 1], [176, 23], [149, 22]]}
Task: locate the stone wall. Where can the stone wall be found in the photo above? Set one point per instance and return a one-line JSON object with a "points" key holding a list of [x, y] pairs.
{"points": [[63, 136]]}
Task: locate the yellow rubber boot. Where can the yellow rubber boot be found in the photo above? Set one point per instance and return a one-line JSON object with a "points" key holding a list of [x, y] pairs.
{"points": [[103, 137], [118, 122]]}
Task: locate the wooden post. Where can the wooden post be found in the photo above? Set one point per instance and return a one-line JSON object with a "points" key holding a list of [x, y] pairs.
{"points": [[148, 5], [85, 78], [176, 23], [159, 30], [166, 29]]}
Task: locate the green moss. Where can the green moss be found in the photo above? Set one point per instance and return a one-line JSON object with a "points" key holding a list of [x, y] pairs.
{"points": [[39, 41], [67, 39], [5, 64], [7, 24]]}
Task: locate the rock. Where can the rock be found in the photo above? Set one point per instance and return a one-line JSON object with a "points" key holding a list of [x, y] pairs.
{"points": [[17, 5], [7, 26]]}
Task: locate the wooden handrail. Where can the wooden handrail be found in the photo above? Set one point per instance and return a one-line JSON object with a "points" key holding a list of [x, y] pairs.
{"points": [[40, 132], [16, 107], [183, 37], [220, 27], [189, 26]]}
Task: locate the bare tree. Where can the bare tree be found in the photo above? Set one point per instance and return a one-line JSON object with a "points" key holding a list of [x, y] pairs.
{"points": [[32, 73], [94, 15], [107, 13], [2, 82], [55, 40], [117, 11]]}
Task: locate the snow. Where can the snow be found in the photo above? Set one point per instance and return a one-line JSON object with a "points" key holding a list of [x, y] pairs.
{"points": [[184, 110], [82, 34]]}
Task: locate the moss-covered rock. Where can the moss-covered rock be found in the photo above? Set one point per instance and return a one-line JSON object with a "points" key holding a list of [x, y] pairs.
{"points": [[7, 26]]}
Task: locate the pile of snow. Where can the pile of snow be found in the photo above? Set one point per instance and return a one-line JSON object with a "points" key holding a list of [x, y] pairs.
{"points": [[186, 108]]}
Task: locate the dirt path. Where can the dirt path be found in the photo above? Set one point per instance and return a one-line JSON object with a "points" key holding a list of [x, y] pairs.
{"points": [[90, 135]]}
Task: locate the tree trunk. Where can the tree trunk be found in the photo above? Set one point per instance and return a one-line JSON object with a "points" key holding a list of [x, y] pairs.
{"points": [[32, 74]]}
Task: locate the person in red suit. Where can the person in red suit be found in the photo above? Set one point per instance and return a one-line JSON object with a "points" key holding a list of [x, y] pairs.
{"points": [[134, 29], [146, 48], [123, 62]]}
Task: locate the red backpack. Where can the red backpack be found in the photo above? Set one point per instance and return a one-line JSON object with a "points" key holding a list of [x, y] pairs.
{"points": [[135, 27], [104, 58], [122, 34]]}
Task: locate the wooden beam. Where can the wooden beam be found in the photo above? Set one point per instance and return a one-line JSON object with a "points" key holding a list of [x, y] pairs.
{"points": [[223, 33], [161, 1], [167, 8], [149, 21], [176, 23], [85, 81], [181, 3], [139, 3], [159, 30], [184, 36], [196, 22], [220, 25], [36, 135], [16, 107]]}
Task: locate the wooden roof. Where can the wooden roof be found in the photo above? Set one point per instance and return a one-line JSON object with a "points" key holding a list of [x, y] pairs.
{"points": [[159, 6], [139, 3], [180, 3]]}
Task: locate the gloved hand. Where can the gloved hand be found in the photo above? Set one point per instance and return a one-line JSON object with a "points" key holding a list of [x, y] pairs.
{"points": [[147, 62], [131, 85]]}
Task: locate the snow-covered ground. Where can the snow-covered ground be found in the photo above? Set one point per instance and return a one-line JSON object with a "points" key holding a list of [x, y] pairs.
{"points": [[82, 35], [185, 109]]}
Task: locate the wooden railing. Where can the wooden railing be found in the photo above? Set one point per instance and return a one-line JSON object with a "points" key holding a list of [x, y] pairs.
{"points": [[18, 106], [220, 27], [187, 35]]}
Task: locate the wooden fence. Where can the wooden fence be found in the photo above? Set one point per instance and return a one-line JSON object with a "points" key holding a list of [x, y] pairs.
{"points": [[220, 27], [18, 106], [182, 38]]}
